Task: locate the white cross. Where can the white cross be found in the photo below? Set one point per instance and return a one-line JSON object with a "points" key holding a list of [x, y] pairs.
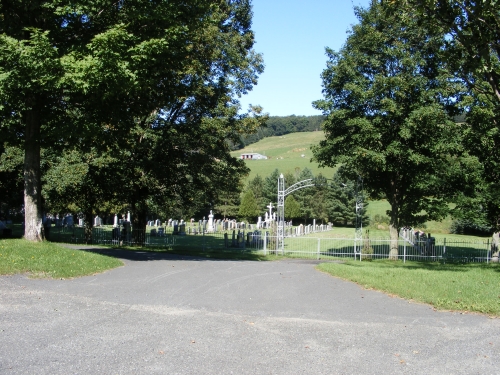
{"points": [[270, 209]]}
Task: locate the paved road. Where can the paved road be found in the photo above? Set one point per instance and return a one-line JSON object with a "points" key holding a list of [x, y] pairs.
{"points": [[163, 314]]}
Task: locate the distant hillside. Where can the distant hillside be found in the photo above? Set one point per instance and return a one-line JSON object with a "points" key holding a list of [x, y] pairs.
{"points": [[287, 153], [281, 125]]}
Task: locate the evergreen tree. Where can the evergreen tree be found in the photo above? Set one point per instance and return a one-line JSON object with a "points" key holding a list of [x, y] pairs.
{"points": [[270, 188], [248, 207], [256, 185], [292, 208], [304, 196]]}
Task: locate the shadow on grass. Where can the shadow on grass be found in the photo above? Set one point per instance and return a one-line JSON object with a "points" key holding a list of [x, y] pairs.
{"points": [[145, 254], [431, 266]]}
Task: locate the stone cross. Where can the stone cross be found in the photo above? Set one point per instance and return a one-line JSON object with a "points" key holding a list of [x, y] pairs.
{"points": [[270, 209]]}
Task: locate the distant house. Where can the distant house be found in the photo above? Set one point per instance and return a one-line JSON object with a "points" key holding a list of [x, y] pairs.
{"points": [[253, 156]]}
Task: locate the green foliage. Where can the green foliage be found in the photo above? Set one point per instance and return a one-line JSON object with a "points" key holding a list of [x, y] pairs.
{"points": [[256, 185], [270, 188], [11, 180], [292, 208], [471, 228], [248, 207], [304, 196], [152, 84], [229, 204], [388, 101], [473, 54]]}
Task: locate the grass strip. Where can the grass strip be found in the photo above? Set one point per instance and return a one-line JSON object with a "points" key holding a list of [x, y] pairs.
{"points": [[50, 260], [459, 287]]}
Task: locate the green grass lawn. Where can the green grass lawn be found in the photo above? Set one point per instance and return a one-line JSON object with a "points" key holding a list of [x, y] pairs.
{"points": [[470, 287], [50, 260], [285, 154]]}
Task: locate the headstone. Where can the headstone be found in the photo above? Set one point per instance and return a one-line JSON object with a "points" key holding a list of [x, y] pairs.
{"points": [[233, 239], [81, 222], [128, 216], [126, 232], [68, 221], [210, 222], [176, 229], [182, 229], [241, 239], [161, 231], [115, 223], [153, 233], [115, 235]]}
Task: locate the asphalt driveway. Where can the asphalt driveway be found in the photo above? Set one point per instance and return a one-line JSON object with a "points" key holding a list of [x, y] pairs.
{"points": [[162, 314]]}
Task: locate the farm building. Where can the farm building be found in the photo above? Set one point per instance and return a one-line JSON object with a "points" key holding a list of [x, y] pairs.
{"points": [[253, 156]]}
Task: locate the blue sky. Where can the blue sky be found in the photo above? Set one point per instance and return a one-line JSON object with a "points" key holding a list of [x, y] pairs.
{"points": [[292, 36]]}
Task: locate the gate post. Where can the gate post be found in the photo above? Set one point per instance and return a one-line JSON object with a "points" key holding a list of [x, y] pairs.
{"points": [[265, 243]]}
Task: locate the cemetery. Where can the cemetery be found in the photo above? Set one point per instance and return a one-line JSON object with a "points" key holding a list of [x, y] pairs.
{"points": [[316, 241]]}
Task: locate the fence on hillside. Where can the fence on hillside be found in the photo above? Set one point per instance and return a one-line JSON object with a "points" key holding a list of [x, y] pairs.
{"points": [[263, 243]]}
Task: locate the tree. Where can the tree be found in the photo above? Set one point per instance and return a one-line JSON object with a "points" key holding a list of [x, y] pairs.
{"points": [[474, 45], [83, 182], [270, 189], [292, 208], [388, 99], [248, 207], [304, 196], [11, 180], [120, 67], [473, 53], [256, 184], [228, 205], [342, 200]]}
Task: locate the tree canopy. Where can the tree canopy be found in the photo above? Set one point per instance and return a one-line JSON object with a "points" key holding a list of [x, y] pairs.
{"points": [[70, 70], [388, 100]]}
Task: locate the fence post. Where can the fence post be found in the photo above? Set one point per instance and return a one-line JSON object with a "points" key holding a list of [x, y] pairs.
{"points": [[354, 249], [404, 250], [487, 251], [203, 238], [319, 246], [265, 243], [444, 248]]}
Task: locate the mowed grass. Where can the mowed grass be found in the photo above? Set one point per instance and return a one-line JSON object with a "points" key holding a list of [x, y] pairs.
{"points": [[285, 154], [50, 260], [469, 287]]}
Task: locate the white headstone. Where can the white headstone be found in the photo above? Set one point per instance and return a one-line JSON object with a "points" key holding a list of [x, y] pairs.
{"points": [[115, 223]]}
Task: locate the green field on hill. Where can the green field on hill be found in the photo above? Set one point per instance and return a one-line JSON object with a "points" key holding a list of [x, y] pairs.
{"points": [[287, 153], [291, 152]]}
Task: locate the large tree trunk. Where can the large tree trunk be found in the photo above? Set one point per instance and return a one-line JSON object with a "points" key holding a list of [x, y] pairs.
{"points": [[139, 221], [89, 225], [394, 224], [33, 228], [393, 252]]}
